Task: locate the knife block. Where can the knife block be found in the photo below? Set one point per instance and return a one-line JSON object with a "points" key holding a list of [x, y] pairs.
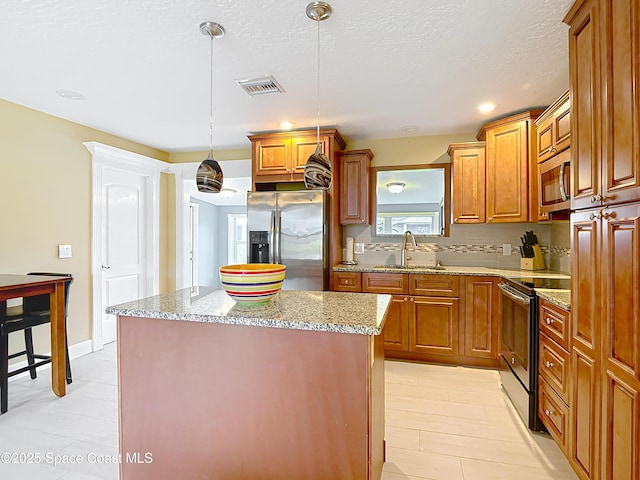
{"points": [[535, 263]]}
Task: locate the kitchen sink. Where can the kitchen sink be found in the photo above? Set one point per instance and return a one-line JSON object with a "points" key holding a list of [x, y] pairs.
{"points": [[411, 267]]}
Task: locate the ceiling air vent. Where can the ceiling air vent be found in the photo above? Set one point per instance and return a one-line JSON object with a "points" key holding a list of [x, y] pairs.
{"points": [[260, 86]]}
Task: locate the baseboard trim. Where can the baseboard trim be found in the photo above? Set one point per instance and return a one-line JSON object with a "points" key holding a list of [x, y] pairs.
{"points": [[75, 351]]}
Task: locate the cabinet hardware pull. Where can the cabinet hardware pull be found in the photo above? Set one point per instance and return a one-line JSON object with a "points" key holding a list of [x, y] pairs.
{"points": [[549, 364], [595, 215], [412, 299], [406, 298], [596, 198], [513, 361], [552, 149], [548, 413], [608, 215], [549, 321]]}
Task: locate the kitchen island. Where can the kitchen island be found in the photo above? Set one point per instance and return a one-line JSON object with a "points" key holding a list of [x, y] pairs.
{"points": [[291, 389]]}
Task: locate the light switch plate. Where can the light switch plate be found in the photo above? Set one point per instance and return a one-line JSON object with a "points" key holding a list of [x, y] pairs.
{"points": [[358, 248], [506, 249], [64, 251]]}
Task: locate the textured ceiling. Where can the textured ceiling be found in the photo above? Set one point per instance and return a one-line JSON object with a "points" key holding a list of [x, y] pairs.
{"points": [[143, 65]]}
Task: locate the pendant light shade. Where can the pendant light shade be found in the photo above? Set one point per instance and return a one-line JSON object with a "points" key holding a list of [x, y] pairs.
{"points": [[317, 170], [209, 176]]}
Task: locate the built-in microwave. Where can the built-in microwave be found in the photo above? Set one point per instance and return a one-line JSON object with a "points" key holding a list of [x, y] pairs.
{"points": [[554, 179]]}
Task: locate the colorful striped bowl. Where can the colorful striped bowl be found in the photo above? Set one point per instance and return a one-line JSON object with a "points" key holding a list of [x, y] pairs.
{"points": [[252, 282]]}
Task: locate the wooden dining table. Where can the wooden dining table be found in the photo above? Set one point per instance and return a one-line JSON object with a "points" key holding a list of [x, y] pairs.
{"points": [[17, 286]]}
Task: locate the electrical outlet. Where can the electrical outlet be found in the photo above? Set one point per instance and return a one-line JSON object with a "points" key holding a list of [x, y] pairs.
{"points": [[358, 248], [64, 251], [506, 249]]}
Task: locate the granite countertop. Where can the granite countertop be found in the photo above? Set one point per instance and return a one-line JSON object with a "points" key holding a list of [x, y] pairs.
{"points": [[561, 298], [452, 270], [339, 312]]}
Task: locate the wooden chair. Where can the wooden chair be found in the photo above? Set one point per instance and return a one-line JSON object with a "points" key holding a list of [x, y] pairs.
{"points": [[33, 312]]}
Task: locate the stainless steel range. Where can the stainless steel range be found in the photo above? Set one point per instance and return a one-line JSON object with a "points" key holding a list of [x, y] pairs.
{"points": [[520, 342]]}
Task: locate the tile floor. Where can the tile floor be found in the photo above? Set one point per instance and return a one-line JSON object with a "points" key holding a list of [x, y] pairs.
{"points": [[442, 423]]}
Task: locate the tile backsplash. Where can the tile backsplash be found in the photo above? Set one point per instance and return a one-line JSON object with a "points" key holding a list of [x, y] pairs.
{"points": [[470, 245]]}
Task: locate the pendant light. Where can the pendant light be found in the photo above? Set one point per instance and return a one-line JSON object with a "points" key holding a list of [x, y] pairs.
{"points": [[209, 176], [317, 170]]}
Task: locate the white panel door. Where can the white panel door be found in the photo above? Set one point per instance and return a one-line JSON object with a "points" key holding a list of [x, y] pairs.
{"points": [[123, 265]]}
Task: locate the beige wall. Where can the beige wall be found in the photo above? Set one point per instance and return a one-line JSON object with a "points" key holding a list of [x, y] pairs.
{"points": [[45, 196], [410, 150]]}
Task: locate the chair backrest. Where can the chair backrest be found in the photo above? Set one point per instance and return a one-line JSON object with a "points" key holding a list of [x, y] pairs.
{"points": [[40, 303]]}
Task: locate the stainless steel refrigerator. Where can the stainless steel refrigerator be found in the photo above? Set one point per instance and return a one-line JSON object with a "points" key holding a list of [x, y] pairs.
{"points": [[291, 228]]}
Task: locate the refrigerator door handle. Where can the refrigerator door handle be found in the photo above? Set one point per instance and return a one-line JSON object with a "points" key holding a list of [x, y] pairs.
{"points": [[276, 231], [272, 229]]}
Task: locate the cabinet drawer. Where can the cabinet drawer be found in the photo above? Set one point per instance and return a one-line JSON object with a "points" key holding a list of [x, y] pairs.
{"points": [[554, 413], [554, 322], [394, 283], [434, 285], [554, 366], [347, 281]]}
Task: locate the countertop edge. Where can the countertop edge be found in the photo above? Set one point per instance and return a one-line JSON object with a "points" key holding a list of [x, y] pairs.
{"points": [[453, 270], [556, 297], [126, 310]]}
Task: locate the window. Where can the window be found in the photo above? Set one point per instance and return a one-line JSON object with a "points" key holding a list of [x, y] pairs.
{"points": [[237, 239]]}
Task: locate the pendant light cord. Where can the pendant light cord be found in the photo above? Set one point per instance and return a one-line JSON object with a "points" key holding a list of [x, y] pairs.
{"points": [[211, 102], [318, 89]]}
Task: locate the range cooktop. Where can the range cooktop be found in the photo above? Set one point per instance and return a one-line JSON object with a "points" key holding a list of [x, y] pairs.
{"points": [[550, 283]]}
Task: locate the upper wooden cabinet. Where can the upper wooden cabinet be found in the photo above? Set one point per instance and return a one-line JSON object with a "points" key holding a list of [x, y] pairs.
{"points": [[468, 165], [355, 172], [553, 129], [280, 157], [510, 144], [604, 61]]}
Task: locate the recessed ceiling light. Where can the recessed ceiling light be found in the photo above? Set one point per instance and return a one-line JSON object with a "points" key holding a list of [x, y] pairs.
{"points": [[286, 125], [487, 107], [70, 94], [410, 128]]}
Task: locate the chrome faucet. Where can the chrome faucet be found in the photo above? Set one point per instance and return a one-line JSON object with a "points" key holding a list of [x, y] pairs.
{"points": [[403, 253]]}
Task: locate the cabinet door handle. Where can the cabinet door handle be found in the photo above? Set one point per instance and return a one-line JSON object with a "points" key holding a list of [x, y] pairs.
{"points": [[548, 413], [549, 321], [411, 299], [552, 149], [406, 299], [593, 216], [548, 364], [596, 198]]}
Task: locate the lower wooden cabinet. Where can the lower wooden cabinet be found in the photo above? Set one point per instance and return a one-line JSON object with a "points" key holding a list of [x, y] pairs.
{"points": [[433, 325], [433, 317], [554, 413], [481, 330], [396, 328]]}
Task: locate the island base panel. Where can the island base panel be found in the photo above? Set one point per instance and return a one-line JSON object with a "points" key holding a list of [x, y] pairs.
{"points": [[239, 402]]}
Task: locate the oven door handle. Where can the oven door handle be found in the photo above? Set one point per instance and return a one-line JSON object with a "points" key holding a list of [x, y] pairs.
{"points": [[514, 295]]}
